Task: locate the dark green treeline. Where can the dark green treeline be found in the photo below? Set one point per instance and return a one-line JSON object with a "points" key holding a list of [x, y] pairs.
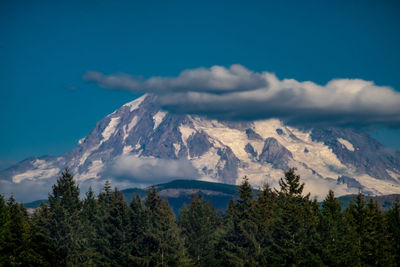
{"points": [[274, 228]]}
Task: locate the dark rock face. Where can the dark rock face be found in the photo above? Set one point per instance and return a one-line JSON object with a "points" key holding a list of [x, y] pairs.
{"points": [[229, 171], [280, 131], [252, 135], [369, 156], [159, 144], [249, 149], [276, 154], [351, 182], [198, 144]]}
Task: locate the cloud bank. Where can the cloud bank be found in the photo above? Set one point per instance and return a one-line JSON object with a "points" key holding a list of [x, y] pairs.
{"points": [[147, 171], [236, 93]]}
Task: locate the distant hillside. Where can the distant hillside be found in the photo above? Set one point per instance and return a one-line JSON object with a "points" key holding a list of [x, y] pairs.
{"points": [[178, 192], [385, 202]]}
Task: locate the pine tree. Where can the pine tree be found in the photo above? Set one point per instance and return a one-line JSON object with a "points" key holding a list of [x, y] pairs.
{"points": [[137, 226], [332, 232], [262, 212], [295, 222], [16, 249], [117, 223], [200, 224], [355, 218], [238, 246], [103, 245], [41, 237], [66, 230], [393, 222], [376, 250], [4, 219], [90, 216], [162, 244]]}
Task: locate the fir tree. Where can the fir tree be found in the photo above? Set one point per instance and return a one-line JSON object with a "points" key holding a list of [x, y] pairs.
{"points": [[355, 218], [90, 217], [16, 249], [393, 222], [376, 250], [104, 228], [66, 230], [117, 223], [137, 226], [332, 232], [262, 212], [162, 244], [4, 219], [239, 246], [200, 224], [295, 222], [41, 236]]}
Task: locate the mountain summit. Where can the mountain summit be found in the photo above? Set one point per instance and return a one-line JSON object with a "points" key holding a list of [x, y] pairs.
{"points": [[140, 144]]}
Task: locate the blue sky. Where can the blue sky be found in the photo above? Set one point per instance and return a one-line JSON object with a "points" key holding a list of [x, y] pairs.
{"points": [[47, 46]]}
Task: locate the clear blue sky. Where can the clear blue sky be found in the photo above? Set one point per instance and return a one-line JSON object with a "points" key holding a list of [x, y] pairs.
{"points": [[46, 47]]}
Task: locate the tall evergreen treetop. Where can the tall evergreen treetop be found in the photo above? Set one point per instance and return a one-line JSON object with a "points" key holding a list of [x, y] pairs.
{"points": [[66, 229], [290, 184], [245, 197], [65, 193]]}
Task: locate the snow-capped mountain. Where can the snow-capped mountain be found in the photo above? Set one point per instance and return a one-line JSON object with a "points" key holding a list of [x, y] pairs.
{"points": [[141, 144]]}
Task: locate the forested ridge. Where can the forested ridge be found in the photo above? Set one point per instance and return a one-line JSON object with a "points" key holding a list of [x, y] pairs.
{"points": [[283, 227]]}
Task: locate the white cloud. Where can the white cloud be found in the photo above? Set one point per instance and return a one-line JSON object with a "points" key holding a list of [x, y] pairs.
{"points": [[236, 93], [147, 171]]}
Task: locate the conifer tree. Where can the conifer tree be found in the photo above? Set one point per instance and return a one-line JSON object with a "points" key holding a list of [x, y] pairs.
{"points": [[355, 218], [238, 246], [376, 249], [332, 232], [393, 222], [65, 226], [200, 224], [90, 217], [104, 228], [41, 237], [162, 244], [4, 219], [137, 226], [262, 212], [16, 250], [117, 223], [294, 228]]}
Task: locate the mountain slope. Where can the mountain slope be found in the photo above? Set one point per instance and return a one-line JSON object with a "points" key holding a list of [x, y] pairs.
{"points": [[139, 144]]}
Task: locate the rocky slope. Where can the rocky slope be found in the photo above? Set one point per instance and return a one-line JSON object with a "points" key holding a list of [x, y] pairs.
{"points": [[139, 144]]}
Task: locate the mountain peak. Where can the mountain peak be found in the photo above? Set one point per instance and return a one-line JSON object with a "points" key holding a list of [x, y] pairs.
{"points": [[141, 144]]}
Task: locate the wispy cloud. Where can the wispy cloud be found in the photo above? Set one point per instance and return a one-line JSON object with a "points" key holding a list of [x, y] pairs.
{"points": [[236, 93], [215, 80]]}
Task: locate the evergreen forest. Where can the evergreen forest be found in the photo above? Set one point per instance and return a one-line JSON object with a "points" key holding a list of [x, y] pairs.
{"points": [[272, 227]]}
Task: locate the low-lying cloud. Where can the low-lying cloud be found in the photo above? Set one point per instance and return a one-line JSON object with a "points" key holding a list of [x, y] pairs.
{"points": [[123, 172], [147, 171], [27, 190], [236, 93]]}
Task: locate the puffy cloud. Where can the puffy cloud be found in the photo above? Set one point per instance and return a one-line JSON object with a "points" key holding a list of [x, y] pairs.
{"points": [[147, 171], [237, 93]]}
